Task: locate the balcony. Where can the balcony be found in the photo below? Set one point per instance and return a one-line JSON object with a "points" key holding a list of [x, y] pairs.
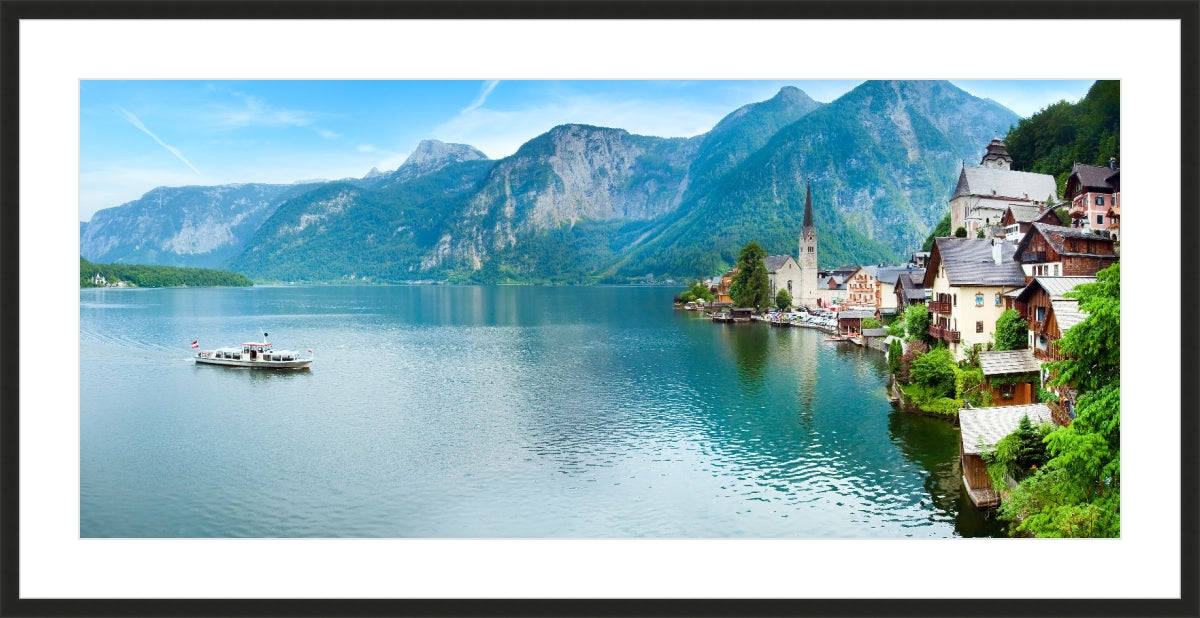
{"points": [[939, 307], [1078, 210], [936, 332], [952, 336]]}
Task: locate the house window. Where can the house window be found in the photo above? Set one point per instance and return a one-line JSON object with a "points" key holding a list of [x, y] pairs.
{"points": [[1099, 200], [1006, 391], [1040, 312], [979, 299], [789, 285], [979, 327], [810, 249], [1099, 219], [997, 299], [956, 300], [1056, 270]]}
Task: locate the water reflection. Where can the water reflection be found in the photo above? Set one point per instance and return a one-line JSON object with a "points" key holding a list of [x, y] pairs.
{"points": [[932, 444]]}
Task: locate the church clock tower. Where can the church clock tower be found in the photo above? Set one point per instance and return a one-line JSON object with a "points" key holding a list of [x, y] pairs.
{"points": [[807, 259]]}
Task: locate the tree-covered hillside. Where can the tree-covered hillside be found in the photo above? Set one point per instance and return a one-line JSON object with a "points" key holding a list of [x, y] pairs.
{"points": [[144, 276], [1063, 134]]}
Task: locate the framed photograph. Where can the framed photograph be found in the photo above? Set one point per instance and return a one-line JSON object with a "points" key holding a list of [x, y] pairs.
{"points": [[566, 308]]}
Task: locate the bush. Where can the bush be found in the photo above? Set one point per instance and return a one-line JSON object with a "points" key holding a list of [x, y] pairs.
{"points": [[915, 350], [870, 323], [935, 371], [961, 232]]}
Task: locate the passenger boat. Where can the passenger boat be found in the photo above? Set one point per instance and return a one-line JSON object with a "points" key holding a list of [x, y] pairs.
{"points": [[256, 355]]}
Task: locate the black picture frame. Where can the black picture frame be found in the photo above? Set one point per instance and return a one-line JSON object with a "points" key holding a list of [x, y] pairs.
{"points": [[1187, 12]]}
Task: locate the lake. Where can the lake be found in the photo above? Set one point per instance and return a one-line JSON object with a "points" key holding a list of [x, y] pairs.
{"points": [[482, 412]]}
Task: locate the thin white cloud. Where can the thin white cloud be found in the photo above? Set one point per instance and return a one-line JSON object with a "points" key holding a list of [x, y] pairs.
{"points": [[135, 121], [256, 112], [327, 134], [488, 87]]}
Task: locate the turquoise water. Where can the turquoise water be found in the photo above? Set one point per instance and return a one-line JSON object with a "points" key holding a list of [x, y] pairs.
{"points": [[479, 412]]}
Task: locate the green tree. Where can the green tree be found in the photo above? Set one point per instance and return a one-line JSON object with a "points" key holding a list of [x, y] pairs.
{"points": [[917, 320], [870, 323], [1012, 332], [961, 232], [1078, 492], [783, 299], [751, 286], [895, 351]]}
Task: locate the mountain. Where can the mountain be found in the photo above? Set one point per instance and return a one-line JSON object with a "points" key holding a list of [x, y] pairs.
{"points": [[183, 226], [431, 156], [582, 203], [882, 159]]}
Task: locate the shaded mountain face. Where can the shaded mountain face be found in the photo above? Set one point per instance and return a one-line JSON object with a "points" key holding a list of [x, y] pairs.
{"points": [[183, 226], [583, 203], [883, 160]]}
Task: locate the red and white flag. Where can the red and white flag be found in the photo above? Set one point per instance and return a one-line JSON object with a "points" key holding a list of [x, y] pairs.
{"points": [[195, 343], [310, 351]]}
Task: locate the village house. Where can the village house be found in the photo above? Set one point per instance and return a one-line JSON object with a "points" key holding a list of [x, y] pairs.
{"points": [[979, 431], [1058, 251], [784, 273], [910, 290], [1049, 313], [1092, 191], [1010, 376], [831, 290], [984, 193], [1017, 220], [874, 287], [726, 283], [861, 287], [967, 278], [850, 322]]}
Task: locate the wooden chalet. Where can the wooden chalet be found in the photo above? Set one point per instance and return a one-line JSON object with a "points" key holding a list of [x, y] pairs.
{"points": [[1092, 190], [910, 290], [1050, 313], [980, 430], [1058, 251], [1010, 376]]}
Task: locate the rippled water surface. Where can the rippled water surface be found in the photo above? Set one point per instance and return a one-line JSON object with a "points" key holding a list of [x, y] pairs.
{"points": [[436, 411]]}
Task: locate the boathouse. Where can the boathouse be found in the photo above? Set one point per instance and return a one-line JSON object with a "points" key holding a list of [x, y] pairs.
{"points": [[980, 430]]}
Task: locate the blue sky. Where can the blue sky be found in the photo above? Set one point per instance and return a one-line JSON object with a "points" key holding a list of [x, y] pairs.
{"points": [[137, 135]]}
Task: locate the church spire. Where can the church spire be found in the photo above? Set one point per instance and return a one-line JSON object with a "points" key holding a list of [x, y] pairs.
{"points": [[808, 218]]}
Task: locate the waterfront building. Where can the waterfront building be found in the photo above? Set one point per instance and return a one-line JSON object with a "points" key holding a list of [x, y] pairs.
{"points": [[984, 193], [1094, 190], [979, 431], [967, 278]]}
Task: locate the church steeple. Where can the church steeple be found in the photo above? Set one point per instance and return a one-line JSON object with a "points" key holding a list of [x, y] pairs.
{"points": [[808, 218], [807, 257]]}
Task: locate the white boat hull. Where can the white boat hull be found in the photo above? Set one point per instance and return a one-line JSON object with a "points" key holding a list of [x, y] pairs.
{"points": [[301, 363]]}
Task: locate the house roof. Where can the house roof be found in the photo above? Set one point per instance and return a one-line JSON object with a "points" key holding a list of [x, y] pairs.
{"points": [[1057, 287], [890, 274], [1049, 216], [874, 332], [775, 262], [1024, 213], [1093, 176], [855, 314], [1067, 313], [969, 261], [982, 428], [1056, 234], [1001, 362], [994, 182]]}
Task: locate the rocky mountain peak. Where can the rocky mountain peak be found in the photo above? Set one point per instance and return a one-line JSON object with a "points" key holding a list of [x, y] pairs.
{"points": [[432, 155]]}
